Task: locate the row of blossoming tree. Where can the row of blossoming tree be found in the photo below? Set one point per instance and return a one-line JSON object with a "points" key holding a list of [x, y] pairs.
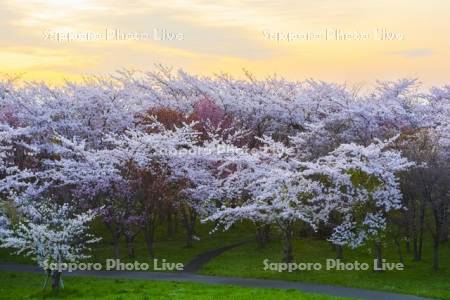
{"points": [[137, 149]]}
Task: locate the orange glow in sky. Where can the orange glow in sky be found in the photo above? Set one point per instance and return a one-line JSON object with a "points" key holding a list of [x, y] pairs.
{"points": [[343, 41]]}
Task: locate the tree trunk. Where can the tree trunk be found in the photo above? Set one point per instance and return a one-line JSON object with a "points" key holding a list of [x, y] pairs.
{"points": [[115, 233], [170, 225], [149, 238], [339, 252], [399, 249], [416, 249], [191, 231], [149, 243], [116, 246], [408, 232], [175, 224], [420, 247], [413, 231], [421, 229], [266, 233], [129, 240], [262, 235], [116, 243], [409, 215], [56, 280], [287, 243], [378, 256], [438, 216], [418, 236], [436, 261], [445, 226], [189, 217]]}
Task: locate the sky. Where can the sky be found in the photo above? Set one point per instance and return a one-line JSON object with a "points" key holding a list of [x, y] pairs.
{"points": [[346, 41]]}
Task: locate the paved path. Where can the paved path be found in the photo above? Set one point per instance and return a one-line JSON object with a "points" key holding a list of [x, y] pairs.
{"points": [[198, 262], [261, 283]]}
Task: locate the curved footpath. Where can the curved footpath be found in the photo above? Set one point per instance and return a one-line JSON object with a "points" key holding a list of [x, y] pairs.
{"points": [[196, 264], [199, 261]]}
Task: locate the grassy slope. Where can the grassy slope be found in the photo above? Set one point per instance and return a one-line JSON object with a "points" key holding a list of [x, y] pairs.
{"points": [[417, 278], [29, 286]]}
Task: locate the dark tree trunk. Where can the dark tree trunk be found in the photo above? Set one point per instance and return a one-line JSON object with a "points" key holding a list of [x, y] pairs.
{"points": [[189, 217], [416, 249], [149, 243], [420, 247], [116, 246], [418, 237], [445, 226], [438, 217], [399, 249], [409, 229], [115, 234], [189, 239], [116, 243], [436, 260], [267, 233], [129, 240], [339, 252], [287, 243], [378, 255], [262, 235], [175, 224], [170, 225], [149, 235], [413, 231], [56, 280], [421, 230], [191, 230]]}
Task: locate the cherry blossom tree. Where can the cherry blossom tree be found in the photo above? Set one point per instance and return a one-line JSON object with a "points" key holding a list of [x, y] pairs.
{"points": [[369, 175], [268, 187], [47, 232]]}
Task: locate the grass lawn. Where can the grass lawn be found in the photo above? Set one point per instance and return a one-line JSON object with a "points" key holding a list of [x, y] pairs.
{"points": [[247, 261], [29, 286], [417, 278]]}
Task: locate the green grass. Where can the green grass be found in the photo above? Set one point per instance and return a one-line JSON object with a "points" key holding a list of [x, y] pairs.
{"points": [[417, 278], [247, 261], [29, 286]]}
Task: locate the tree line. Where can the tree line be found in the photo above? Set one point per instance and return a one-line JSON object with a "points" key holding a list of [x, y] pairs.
{"points": [[138, 150]]}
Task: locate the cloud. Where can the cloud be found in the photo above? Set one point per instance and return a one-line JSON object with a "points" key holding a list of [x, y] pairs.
{"points": [[222, 35], [413, 53]]}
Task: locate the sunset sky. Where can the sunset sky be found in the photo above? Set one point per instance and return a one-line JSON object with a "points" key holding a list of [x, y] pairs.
{"points": [[386, 39]]}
